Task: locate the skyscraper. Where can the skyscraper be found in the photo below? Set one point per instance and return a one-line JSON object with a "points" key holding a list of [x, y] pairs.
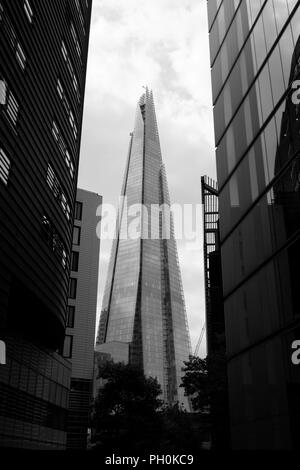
{"points": [[43, 56], [81, 314], [255, 67], [143, 302]]}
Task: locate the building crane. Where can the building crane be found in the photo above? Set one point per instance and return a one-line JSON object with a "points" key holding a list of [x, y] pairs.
{"points": [[200, 340]]}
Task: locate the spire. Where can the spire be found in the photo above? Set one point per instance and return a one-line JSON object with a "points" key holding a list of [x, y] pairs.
{"points": [[144, 271]]}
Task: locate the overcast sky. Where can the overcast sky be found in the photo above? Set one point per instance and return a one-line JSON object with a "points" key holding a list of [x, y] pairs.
{"points": [[162, 44]]}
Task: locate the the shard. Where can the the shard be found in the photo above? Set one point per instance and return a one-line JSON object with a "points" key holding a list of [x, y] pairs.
{"points": [[143, 302]]}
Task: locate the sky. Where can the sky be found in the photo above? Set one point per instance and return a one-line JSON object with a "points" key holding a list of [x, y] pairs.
{"points": [[162, 44]]}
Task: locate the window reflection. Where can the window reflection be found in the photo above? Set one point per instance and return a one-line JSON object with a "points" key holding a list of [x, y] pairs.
{"points": [[275, 217]]}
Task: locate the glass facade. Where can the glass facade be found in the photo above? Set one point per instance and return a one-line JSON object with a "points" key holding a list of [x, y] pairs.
{"points": [[34, 391], [143, 302], [39, 160], [255, 57]]}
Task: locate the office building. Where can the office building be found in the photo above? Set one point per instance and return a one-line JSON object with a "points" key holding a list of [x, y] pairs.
{"points": [[81, 314], [143, 302], [254, 48], [43, 57]]}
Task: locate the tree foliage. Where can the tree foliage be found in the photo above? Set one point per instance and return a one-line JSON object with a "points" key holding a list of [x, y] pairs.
{"points": [[204, 379], [126, 405], [129, 416], [196, 383], [127, 390], [205, 382]]}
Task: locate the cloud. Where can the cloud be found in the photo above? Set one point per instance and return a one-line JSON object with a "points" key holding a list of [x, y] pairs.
{"points": [[162, 43]]}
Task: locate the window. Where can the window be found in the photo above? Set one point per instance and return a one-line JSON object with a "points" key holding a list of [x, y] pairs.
{"points": [[80, 15], [74, 261], [54, 241], [28, 10], [63, 148], [8, 102], [11, 35], [63, 97], [60, 89], [72, 288], [4, 167], [68, 346], [55, 131], [57, 191], [73, 124], [78, 210], [65, 206], [3, 90], [70, 68], [76, 41], [76, 235], [70, 316], [20, 56], [12, 108], [53, 181], [69, 163]]}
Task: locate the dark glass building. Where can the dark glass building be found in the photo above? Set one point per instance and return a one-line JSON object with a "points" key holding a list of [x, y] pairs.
{"points": [[143, 302], [43, 56], [255, 62]]}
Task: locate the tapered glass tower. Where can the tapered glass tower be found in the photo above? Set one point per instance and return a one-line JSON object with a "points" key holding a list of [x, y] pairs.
{"points": [[143, 302]]}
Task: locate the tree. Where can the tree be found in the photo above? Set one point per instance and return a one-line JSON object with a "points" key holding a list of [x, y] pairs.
{"points": [[205, 382], [196, 382], [125, 408], [181, 432], [129, 417]]}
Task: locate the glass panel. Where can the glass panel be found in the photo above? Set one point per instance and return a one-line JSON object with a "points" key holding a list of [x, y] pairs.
{"points": [[72, 288], [68, 345], [70, 316], [78, 210], [4, 167], [76, 235], [74, 261], [270, 224]]}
